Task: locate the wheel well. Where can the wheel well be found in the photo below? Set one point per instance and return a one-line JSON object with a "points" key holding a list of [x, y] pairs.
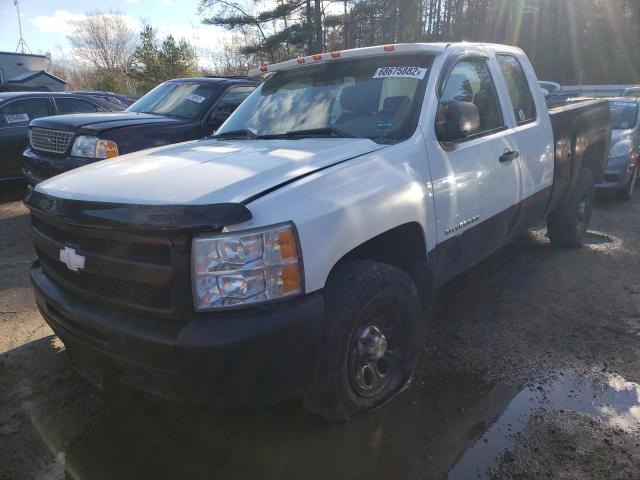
{"points": [[593, 159], [403, 247]]}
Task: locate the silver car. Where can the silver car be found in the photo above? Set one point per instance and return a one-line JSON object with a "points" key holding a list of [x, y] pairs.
{"points": [[622, 168]]}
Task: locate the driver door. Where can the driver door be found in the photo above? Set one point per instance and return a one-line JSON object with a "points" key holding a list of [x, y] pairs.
{"points": [[476, 180]]}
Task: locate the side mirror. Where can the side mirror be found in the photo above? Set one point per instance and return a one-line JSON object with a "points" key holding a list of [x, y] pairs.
{"points": [[218, 117], [456, 121]]}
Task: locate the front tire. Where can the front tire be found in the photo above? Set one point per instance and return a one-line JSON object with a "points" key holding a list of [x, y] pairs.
{"points": [[372, 339], [568, 223]]}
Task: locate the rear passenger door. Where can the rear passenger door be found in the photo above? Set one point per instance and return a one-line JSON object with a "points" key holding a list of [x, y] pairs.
{"points": [[66, 105], [14, 126], [476, 180], [535, 136]]}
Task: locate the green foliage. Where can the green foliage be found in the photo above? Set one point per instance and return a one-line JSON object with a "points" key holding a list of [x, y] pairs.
{"points": [[155, 61], [110, 81], [593, 41]]}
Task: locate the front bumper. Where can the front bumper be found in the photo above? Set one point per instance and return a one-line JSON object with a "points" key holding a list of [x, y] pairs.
{"points": [[39, 167], [241, 357], [617, 173]]}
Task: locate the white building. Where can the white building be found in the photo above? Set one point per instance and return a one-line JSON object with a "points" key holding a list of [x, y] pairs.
{"points": [[29, 70]]}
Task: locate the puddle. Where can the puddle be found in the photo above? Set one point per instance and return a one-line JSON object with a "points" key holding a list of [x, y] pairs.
{"points": [[602, 242], [607, 397], [418, 435], [451, 426]]}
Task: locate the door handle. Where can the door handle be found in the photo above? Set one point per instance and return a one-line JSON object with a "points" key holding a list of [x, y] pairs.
{"points": [[509, 156]]}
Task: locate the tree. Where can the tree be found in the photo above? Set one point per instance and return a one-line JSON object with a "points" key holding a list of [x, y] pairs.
{"points": [[571, 41], [154, 61], [231, 59], [290, 23], [78, 75], [105, 41]]}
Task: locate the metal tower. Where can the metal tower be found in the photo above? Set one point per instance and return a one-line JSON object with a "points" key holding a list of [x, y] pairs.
{"points": [[22, 45]]}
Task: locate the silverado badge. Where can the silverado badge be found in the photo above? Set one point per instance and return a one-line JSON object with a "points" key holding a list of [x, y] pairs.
{"points": [[71, 259]]}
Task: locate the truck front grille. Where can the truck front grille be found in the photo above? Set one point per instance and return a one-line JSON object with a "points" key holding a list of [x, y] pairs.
{"points": [[130, 270], [47, 140]]}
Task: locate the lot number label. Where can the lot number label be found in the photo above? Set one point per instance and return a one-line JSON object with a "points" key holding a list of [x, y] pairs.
{"points": [[195, 98], [400, 72], [17, 118]]}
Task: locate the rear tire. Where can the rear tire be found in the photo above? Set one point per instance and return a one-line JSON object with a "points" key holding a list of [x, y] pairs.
{"points": [[568, 223], [372, 338], [627, 192]]}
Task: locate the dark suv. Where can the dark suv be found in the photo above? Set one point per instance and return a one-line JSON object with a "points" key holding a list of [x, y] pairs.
{"points": [[175, 111], [17, 109]]}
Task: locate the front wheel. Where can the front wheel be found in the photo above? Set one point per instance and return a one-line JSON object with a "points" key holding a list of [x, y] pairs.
{"points": [[372, 337], [568, 223]]}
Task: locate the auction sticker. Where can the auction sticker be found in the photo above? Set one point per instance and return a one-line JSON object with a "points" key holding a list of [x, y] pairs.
{"points": [[17, 118], [195, 98], [400, 72]]}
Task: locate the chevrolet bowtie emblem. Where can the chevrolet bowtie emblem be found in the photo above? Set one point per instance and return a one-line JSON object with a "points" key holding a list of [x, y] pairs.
{"points": [[71, 259]]}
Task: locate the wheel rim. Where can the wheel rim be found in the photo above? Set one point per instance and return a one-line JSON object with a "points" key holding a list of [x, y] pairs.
{"points": [[378, 351]]}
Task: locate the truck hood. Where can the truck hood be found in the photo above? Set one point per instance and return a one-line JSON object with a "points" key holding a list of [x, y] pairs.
{"points": [[99, 122], [203, 171]]}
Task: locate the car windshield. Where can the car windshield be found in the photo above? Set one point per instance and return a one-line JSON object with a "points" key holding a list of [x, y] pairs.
{"points": [[177, 99], [376, 97], [623, 115]]}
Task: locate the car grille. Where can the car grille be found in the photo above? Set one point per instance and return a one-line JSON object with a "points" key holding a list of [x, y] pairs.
{"points": [[121, 269], [48, 140]]}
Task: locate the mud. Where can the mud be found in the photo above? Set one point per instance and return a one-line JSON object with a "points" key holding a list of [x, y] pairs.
{"points": [[531, 370]]}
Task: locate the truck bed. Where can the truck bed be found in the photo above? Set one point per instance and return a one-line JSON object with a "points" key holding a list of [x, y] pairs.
{"points": [[582, 134]]}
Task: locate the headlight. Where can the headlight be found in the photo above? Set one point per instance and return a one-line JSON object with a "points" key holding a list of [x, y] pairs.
{"points": [[620, 149], [92, 147], [245, 268]]}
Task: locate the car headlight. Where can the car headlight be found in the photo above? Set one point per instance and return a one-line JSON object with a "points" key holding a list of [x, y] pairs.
{"points": [[620, 149], [231, 269], [93, 147]]}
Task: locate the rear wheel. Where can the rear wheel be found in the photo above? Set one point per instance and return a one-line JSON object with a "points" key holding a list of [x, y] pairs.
{"points": [[568, 223], [373, 317], [627, 192]]}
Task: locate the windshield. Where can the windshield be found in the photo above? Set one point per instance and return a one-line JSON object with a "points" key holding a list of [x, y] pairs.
{"points": [[623, 115], [375, 98], [177, 99]]}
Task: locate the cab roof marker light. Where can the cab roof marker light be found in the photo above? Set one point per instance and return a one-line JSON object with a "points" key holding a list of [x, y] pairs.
{"points": [[317, 57], [389, 48], [432, 48], [264, 67]]}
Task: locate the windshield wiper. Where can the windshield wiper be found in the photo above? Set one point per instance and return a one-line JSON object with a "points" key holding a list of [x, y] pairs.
{"points": [[324, 131], [309, 132], [243, 133]]}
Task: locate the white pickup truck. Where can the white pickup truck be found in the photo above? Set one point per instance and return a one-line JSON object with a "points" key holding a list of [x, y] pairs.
{"points": [[295, 252]]}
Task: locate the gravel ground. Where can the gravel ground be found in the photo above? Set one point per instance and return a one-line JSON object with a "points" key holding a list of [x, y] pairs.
{"points": [[530, 371]]}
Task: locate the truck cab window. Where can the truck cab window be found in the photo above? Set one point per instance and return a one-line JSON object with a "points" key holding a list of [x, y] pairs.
{"points": [[74, 105], [470, 81], [524, 107], [20, 112]]}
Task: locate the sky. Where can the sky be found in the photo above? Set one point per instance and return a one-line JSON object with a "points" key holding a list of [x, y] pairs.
{"points": [[47, 23]]}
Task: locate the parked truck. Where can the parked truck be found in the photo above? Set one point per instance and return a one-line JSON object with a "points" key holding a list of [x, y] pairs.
{"points": [[175, 111], [295, 253]]}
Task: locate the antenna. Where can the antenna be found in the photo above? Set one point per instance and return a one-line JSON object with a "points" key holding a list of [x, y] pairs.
{"points": [[22, 45]]}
